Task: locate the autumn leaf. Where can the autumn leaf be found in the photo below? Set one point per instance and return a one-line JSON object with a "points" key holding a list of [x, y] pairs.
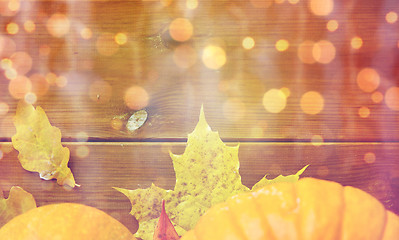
{"points": [[39, 145], [18, 202], [165, 229], [206, 173]]}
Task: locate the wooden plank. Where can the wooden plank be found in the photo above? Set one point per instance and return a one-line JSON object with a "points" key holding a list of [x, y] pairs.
{"points": [[135, 165]]}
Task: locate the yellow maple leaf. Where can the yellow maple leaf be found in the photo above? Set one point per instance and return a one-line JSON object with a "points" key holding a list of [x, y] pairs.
{"points": [[18, 202], [39, 145], [206, 173]]}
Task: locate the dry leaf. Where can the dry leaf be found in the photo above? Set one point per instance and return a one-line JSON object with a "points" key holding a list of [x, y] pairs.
{"points": [[39, 145], [165, 229], [206, 173], [18, 202]]}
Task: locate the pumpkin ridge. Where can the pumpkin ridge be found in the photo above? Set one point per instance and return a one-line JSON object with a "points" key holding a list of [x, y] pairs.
{"points": [[235, 222], [263, 218]]}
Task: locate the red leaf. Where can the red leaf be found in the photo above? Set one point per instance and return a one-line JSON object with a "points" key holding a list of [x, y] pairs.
{"points": [[165, 229]]}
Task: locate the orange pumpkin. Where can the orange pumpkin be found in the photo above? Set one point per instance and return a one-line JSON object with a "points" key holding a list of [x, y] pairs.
{"points": [[308, 209], [65, 221]]}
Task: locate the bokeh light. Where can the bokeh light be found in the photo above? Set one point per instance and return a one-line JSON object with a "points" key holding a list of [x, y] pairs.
{"points": [[40, 85], [274, 100], [4, 108], [7, 46], [181, 29], [12, 28], [391, 17], [116, 123], [21, 62], [364, 112], [293, 2], [248, 43], [30, 98], [377, 97], [136, 98], [214, 57], [82, 151], [392, 98], [356, 42], [282, 45], [368, 79], [323, 51], [286, 91], [106, 44], [19, 87], [192, 4], [305, 52], [10, 73], [234, 109], [61, 81], [317, 140], [29, 26], [369, 157], [321, 7], [14, 5], [121, 38], [312, 102], [51, 78], [184, 56], [100, 91], [44, 50], [82, 136], [332, 25], [86, 33], [58, 25], [261, 3]]}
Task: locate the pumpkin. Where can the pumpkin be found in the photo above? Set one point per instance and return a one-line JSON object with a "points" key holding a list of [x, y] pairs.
{"points": [[65, 221], [307, 209]]}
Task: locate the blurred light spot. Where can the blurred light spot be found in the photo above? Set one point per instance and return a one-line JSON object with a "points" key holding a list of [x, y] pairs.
{"points": [[58, 25], [305, 52], [279, 1], [274, 100], [106, 44], [286, 91], [234, 109], [82, 136], [7, 46], [82, 151], [369, 157], [391, 17], [44, 50], [184, 56], [323, 51], [40, 85], [51, 78], [19, 86], [181, 29], [100, 91], [368, 79], [321, 7], [214, 57], [61, 81], [121, 38], [293, 2], [10, 73], [6, 63], [192, 4], [364, 112], [14, 5], [261, 3], [12, 28], [248, 43], [21, 62], [29, 26], [282, 45], [356, 42], [312, 102], [392, 98], [4, 108], [86, 33], [136, 98], [323, 171], [116, 124], [377, 97], [30, 98], [332, 25], [317, 140]]}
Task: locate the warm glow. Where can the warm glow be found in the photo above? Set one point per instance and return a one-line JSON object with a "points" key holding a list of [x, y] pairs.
{"points": [[192, 4], [323, 51], [332, 25], [312, 102], [368, 79], [86, 33], [116, 124], [392, 98], [12, 28], [248, 43], [293, 1], [82, 136], [274, 101], [58, 25], [106, 44], [44, 50], [317, 140], [282, 45], [286, 91], [82, 151], [40, 85], [234, 109], [261, 3], [51, 78], [391, 17], [14, 5], [136, 98], [7, 46], [305, 52], [377, 97], [214, 57], [356, 42], [10, 73], [321, 7], [121, 38], [4, 108], [21, 62], [6, 63], [100, 91], [61, 81], [29, 26], [369, 157], [181, 29], [279, 1], [30, 98], [19, 87], [184, 56], [364, 112]]}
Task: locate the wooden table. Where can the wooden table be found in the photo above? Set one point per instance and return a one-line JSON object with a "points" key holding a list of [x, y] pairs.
{"points": [[293, 83]]}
